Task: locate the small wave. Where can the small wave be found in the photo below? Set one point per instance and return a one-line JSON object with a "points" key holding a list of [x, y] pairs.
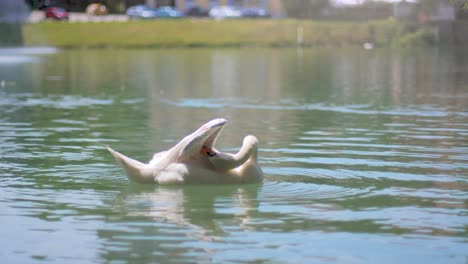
{"points": [[61, 102], [39, 50], [347, 109], [279, 191], [24, 55], [16, 59]]}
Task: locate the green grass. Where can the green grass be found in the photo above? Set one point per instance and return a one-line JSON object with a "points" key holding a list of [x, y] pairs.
{"points": [[211, 33]]}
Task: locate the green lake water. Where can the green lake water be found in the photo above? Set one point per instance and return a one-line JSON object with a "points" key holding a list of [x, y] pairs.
{"points": [[365, 155]]}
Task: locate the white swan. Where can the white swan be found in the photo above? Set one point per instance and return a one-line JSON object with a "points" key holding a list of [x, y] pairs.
{"points": [[195, 160]]}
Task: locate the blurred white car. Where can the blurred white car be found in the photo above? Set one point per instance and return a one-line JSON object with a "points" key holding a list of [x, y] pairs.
{"points": [[222, 12]]}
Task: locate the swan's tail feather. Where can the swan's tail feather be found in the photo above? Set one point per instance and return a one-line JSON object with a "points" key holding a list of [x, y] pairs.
{"points": [[135, 170]]}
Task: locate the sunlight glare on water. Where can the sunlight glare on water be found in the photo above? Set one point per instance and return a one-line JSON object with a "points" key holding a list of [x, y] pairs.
{"points": [[365, 155]]}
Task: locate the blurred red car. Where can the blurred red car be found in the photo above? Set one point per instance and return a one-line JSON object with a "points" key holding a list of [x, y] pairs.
{"points": [[57, 13]]}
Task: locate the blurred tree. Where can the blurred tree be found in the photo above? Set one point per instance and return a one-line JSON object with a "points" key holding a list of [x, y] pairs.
{"points": [[461, 6], [305, 8], [115, 6]]}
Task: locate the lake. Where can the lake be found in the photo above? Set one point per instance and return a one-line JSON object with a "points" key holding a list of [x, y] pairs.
{"points": [[365, 155]]}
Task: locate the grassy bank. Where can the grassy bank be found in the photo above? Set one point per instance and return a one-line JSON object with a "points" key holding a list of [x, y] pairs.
{"points": [[210, 33]]}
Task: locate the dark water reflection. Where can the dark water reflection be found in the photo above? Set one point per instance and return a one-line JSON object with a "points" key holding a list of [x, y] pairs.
{"points": [[365, 155]]}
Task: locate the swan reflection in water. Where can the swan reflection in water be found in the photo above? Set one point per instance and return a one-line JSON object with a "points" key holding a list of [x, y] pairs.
{"points": [[198, 211]]}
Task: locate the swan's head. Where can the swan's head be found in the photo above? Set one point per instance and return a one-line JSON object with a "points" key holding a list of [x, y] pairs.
{"points": [[202, 141], [200, 145], [211, 131]]}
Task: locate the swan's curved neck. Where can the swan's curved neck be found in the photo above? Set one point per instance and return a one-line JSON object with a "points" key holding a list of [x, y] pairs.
{"points": [[247, 151], [225, 161]]}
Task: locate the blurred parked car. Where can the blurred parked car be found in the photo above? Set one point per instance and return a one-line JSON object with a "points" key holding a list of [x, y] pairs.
{"points": [[57, 13], [222, 12], [146, 12], [196, 11], [141, 11], [168, 12], [254, 12], [96, 9]]}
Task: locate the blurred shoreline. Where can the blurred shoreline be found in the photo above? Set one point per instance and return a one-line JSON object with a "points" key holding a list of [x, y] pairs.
{"points": [[84, 31]]}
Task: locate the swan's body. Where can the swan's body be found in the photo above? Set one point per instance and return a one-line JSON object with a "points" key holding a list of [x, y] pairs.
{"points": [[195, 160]]}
